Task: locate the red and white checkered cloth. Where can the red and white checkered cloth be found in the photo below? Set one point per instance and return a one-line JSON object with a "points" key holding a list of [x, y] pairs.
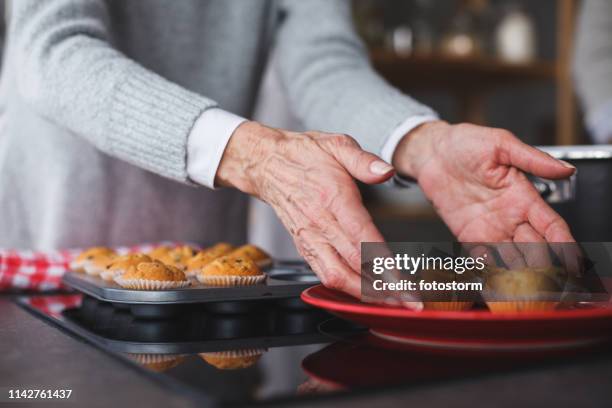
{"points": [[43, 271], [53, 305]]}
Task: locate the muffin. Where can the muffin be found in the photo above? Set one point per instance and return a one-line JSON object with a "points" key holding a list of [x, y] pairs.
{"points": [[85, 257], [206, 256], [523, 290], [152, 276], [119, 265], [256, 254], [177, 257], [231, 271], [234, 359], [98, 263], [159, 252], [445, 300], [157, 362]]}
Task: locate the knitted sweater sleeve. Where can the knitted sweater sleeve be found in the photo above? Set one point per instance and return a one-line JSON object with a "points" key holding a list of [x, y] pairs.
{"points": [[328, 77], [71, 74]]}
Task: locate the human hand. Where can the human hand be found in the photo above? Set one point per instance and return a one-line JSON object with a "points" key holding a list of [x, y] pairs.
{"points": [[307, 178], [474, 176]]}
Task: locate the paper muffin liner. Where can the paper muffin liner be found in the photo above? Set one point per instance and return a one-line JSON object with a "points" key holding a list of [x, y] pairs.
{"points": [[157, 362], [448, 306], [230, 280], [233, 359], [149, 284], [521, 306], [236, 353], [145, 358]]}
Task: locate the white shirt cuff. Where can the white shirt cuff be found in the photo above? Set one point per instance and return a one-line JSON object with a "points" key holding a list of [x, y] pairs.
{"points": [[406, 126], [206, 143], [600, 123]]}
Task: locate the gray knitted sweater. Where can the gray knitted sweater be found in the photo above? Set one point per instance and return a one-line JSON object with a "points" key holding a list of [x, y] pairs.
{"points": [[98, 98]]}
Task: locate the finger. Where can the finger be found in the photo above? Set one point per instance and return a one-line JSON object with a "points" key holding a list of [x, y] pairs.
{"points": [[512, 257], [533, 246], [362, 165], [546, 222], [327, 264], [347, 246], [534, 161]]}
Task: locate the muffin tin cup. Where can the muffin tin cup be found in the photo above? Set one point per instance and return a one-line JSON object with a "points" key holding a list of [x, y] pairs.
{"points": [[146, 284], [231, 281]]}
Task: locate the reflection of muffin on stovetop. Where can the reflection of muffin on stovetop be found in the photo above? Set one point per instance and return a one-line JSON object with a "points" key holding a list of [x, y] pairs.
{"points": [[157, 362], [445, 300], [233, 359], [521, 290]]}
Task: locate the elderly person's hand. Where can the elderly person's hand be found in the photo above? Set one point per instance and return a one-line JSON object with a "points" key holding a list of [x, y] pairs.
{"points": [[308, 179], [474, 177]]}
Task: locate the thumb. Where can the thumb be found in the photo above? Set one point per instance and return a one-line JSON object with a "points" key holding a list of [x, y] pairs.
{"points": [[362, 165], [536, 162]]}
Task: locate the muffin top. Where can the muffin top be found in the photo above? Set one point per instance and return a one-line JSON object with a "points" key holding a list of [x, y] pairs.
{"points": [[159, 252], [178, 256], [154, 270], [525, 281], [251, 251], [124, 262], [94, 252], [208, 255], [231, 266], [102, 259]]}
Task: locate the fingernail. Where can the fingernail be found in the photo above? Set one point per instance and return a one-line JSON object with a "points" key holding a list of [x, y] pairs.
{"points": [[380, 167], [566, 164]]}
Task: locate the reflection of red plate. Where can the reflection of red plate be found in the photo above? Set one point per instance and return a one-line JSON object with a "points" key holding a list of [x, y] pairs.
{"points": [[360, 362], [471, 330]]}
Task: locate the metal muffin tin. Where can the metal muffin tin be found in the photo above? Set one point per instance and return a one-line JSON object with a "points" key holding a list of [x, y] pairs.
{"points": [[285, 279]]}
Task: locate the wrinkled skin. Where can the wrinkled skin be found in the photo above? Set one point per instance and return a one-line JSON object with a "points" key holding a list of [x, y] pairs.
{"points": [[471, 174], [308, 179]]}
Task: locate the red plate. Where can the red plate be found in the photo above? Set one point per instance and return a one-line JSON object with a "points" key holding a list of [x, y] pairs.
{"points": [[471, 330]]}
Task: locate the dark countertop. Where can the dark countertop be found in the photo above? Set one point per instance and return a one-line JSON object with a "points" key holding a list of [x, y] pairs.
{"points": [[38, 354]]}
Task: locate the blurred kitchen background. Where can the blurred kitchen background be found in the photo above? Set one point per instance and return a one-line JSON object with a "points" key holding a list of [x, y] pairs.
{"points": [[475, 61]]}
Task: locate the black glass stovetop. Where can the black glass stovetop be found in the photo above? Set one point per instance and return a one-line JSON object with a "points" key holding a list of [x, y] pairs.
{"points": [[265, 351]]}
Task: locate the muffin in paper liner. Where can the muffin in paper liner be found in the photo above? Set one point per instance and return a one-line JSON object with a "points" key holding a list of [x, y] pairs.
{"points": [[149, 284], [120, 265], [96, 266], [227, 280], [85, 258], [448, 306], [233, 359], [231, 271], [523, 290], [157, 362], [256, 254]]}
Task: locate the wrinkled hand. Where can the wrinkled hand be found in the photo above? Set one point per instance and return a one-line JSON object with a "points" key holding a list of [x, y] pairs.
{"points": [[308, 179], [474, 177]]}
